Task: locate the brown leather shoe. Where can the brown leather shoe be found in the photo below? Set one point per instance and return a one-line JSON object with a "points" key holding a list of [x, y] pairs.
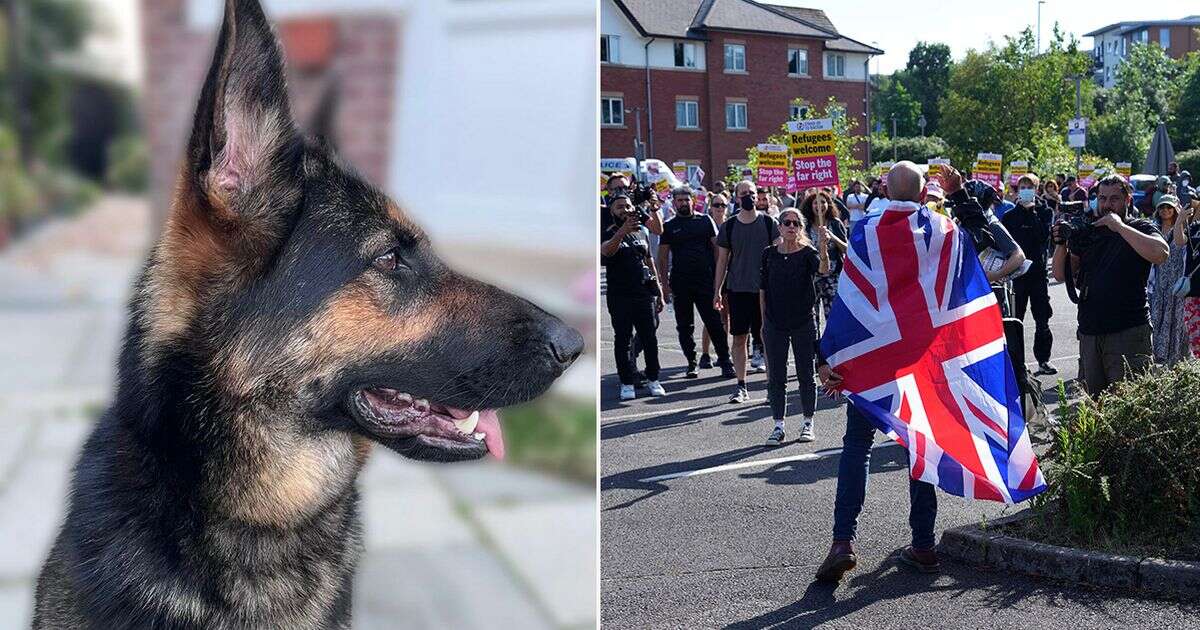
{"points": [[924, 560], [841, 559]]}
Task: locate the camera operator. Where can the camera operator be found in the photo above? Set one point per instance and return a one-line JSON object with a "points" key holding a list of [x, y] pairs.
{"points": [[1108, 256], [688, 249], [1029, 224], [642, 197], [970, 204], [631, 294]]}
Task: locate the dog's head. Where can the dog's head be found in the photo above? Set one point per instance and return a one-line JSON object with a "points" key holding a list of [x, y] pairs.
{"points": [[308, 296]]}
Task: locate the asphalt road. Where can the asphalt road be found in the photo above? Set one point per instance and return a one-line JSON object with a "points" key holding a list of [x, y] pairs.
{"points": [[737, 547]]}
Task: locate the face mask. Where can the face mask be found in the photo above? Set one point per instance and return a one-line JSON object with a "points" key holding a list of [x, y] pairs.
{"points": [[1026, 195], [746, 202], [1092, 205]]}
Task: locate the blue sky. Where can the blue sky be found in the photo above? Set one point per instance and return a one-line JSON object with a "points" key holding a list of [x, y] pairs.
{"points": [[966, 24]]}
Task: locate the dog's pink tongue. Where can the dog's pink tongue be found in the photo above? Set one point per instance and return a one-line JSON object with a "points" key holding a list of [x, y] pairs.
{"points": [[489, 425]]}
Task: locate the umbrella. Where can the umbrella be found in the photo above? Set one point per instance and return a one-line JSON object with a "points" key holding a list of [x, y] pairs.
{"points": [[1160, 153]]}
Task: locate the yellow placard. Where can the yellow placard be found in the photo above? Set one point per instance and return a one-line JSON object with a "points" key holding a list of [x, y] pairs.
{"points": [[1124, 168], [772, 159], [935, 167], [988, 163], [811, 138]]}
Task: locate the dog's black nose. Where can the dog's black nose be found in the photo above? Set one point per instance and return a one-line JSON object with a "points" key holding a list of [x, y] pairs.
{"points": [[566, 344]]}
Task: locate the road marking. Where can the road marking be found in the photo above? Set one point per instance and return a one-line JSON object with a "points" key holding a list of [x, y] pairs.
{"points": [[658, 412], [806, 457]]}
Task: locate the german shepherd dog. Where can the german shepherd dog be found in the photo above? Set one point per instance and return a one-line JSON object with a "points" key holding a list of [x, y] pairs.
{"points": [[289, 317]]}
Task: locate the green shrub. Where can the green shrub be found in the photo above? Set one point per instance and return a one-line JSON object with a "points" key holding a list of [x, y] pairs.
{"points": [[1123, 472], [917, 149], [64, 192], [553, 434], [128, 164], [18, 193]]}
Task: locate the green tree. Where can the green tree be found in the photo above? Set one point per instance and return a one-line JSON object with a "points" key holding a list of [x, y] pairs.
{"points": [[1146, 82], [927, 77], [997, 98], [47, 29], [1184, 125], [892, 99], [1122, 135]]}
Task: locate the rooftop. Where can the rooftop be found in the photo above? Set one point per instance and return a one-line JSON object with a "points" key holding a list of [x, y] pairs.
{"points": [[1124, 27]]}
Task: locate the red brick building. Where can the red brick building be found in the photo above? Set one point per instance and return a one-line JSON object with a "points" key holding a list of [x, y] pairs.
{"points": [[1111, 44], [706, 79]]}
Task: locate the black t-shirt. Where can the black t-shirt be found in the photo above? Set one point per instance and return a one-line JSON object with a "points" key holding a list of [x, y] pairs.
{"points": [[625, 266], [690, 239], [1113, 291], [787, 280], [1030, 228]]}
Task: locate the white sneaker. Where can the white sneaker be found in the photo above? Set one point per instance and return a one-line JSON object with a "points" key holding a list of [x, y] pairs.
{"points": [[806, 432], [655, 388], [757, 363], [627, 392]]}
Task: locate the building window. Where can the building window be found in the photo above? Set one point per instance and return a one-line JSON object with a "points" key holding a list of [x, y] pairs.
{"points": [[835, 65], [610, 49], [685, 55], [1142, 36], [687, 114], [735, 116], [797, 112], [735, 58], [612, 111], [797, 61], [1164, 38]]}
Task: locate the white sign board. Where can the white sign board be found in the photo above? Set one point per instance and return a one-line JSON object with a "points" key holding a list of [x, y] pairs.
{"points": [[1077, 133]]}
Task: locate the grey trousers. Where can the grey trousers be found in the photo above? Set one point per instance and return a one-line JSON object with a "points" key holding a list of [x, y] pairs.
{"points": [[1106, 359]]}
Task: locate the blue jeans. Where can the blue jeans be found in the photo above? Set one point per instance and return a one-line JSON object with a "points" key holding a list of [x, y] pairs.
{"points": [[853, 469]]}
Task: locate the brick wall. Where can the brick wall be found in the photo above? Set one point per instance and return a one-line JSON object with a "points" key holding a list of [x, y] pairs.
{"points": [[363, 54], [766, 88]]}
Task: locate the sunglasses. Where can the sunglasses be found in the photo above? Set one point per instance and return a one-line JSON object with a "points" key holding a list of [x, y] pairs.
{"points": [[718, 205], [790, 223]]}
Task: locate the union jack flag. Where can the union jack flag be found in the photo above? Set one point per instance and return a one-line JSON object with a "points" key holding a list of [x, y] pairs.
{"points": [[917, 337]]}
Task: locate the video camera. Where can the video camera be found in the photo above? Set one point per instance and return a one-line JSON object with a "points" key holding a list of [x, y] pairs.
{"points": [[639, 194], [1078, 231]]}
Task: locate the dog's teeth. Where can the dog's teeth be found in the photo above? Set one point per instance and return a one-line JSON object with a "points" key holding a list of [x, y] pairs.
{"points": [[421, 404], [467, 425], [478, 436]]}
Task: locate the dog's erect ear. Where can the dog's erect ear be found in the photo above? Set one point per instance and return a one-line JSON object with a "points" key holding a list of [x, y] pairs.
{"points": [[243, 120], [324, 118]]}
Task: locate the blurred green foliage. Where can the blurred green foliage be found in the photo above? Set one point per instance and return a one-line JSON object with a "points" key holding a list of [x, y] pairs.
{"points": [[557, 435]]}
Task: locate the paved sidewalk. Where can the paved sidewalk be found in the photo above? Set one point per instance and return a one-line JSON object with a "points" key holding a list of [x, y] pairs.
{"points": [[519, 544]]}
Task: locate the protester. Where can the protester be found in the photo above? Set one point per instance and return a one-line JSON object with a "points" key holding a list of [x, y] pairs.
{"points": [[1029, 224], [1169, 332], [687, 249], [822, 219], [935, 198], [1074, 191], [718, 205], [631, 293], [741, 240], [1184, 189], [904, 187], [856, 201], [1191, 304], [1162, 186], [787, 298], [1110, 267]]}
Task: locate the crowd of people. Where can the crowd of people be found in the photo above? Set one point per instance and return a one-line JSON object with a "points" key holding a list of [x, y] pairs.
{"points": [[764, 275], [760, 267]]}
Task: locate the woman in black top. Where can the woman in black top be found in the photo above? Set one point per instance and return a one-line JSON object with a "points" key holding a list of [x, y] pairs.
{"points": [[788, 300], [821, 215]]}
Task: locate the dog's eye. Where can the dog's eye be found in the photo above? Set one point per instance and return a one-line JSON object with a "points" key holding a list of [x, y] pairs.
{"points": [[389, 262]]}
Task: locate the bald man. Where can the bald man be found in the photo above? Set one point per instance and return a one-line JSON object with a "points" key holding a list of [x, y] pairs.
{"points": [[904, 184]]}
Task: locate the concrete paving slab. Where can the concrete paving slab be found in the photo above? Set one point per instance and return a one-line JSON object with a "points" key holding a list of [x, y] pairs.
{"points": [[33, 503], [552, 545], [489, 481], [458, 586], [16, 606], [417, 515]]}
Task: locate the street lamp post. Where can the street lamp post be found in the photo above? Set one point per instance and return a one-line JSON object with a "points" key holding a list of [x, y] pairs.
{"points": [[1039, 35], [639, 149], [921, 123]]}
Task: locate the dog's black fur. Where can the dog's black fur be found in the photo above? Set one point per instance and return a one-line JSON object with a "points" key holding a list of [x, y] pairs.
{"points": [[218, 490]]}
